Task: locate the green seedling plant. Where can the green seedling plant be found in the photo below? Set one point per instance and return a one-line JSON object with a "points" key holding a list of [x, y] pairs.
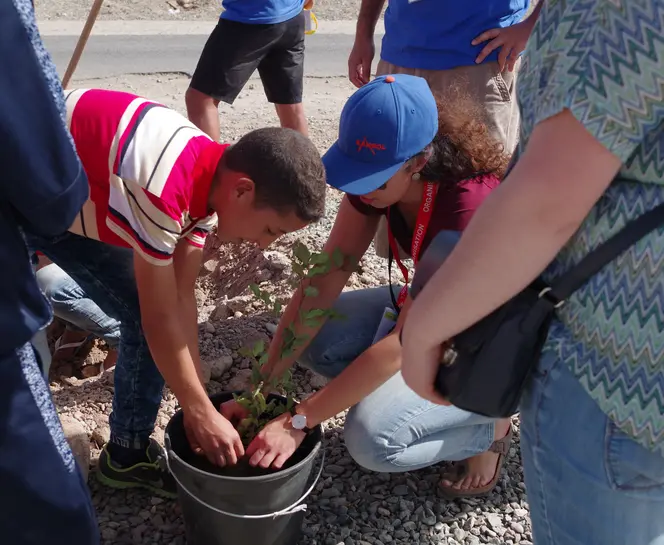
{"points": [[306, 265]]}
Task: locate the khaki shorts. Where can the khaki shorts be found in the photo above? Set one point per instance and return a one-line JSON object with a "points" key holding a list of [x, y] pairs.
{"points": [[496, 91]]}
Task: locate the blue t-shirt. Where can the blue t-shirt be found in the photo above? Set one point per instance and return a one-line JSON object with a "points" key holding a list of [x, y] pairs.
{"points": [[261, 12], [437, 34]]}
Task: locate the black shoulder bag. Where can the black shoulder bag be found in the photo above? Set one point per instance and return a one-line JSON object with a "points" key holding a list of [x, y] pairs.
{"points": [[487, 366]]}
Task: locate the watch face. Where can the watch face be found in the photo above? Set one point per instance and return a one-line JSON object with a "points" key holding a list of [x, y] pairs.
{"points": [[299, 421]]}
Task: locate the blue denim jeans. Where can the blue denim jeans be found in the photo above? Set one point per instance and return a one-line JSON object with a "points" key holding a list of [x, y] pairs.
{"points": [[587, 482], [106, 274], [392, 429], [43, 497], [71, 304]]}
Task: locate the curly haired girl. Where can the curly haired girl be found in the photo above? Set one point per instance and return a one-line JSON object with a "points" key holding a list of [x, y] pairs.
{"points": [[427, 165]]}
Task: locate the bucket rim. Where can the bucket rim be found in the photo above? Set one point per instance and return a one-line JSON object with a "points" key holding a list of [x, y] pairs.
{"points": [[278, 474]]}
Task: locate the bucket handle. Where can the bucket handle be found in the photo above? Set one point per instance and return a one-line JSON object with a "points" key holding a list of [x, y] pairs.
{"points": [[290, 510]]}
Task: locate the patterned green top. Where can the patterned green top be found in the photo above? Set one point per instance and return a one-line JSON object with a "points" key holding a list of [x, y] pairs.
{"points": [[604, 61]]}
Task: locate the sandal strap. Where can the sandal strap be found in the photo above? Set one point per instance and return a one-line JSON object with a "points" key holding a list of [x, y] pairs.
{"points": [[502, 446], [60, 346]]}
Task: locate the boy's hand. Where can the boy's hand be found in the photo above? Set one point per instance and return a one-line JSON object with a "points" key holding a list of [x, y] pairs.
{"points": [[211, 434], [233, 412], [309, 4]]}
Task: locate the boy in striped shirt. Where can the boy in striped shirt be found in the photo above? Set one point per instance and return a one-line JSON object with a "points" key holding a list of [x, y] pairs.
{"points": [[158, 185]]}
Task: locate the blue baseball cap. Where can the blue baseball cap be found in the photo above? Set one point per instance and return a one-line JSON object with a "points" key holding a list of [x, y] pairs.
{"points": [[382, 125]]}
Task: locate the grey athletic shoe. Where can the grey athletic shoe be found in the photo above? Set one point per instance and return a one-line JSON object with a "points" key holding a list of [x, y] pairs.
{"points": [[151, 474]]}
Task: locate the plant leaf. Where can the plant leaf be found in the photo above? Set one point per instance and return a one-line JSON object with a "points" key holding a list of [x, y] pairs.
{"points": [[311, 291], [260, 400], [315, 313], [301, 340], [298, 269], [338, 257], [318, 270], [246, 352], [289, 334], [258, 349], [301, 252], [319, 259]]}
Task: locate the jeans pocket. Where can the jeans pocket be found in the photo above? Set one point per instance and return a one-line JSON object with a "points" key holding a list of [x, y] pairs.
{"points": [[631, 466]]}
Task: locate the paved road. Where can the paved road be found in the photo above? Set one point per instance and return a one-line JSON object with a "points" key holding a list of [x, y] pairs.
{"points": [[327, 54]]}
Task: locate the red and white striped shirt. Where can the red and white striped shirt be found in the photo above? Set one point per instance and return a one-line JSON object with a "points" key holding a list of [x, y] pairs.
{"points": [[149, 170]]}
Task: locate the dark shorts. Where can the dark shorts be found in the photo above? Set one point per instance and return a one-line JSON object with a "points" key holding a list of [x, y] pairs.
{"points": [[235, 50]]}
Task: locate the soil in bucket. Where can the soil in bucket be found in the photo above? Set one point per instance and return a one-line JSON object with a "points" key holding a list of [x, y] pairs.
{"points": [[244, 494]]}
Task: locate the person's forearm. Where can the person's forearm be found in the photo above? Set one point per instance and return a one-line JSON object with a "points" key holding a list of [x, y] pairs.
{"points": [[189, 318], [369, 371], [511, 239], [532, 18], [170, 349], [369, 14]]}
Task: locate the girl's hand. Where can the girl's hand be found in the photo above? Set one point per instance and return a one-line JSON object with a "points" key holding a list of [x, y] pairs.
{"points": [[275, 443], [309, 4]]}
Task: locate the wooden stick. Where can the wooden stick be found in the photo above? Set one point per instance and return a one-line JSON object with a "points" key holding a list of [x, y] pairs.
{"points": [[82, 40]]}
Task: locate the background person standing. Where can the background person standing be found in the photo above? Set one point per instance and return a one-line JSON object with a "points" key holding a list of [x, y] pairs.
{"points": [[442, 42], [267, 35]]}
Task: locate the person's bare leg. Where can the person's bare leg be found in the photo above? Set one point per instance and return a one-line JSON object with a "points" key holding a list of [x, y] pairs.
{"points": [[291, 116], [203, 111], [482, 468]]}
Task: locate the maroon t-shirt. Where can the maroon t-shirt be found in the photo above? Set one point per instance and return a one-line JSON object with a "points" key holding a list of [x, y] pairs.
{"points": [[455, 205]]}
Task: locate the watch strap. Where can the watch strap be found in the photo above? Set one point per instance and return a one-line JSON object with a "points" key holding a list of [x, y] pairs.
{"points": [[293, 412]]}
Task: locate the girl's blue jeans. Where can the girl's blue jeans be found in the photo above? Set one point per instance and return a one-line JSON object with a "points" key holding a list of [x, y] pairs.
{"points": [[392, 429]]}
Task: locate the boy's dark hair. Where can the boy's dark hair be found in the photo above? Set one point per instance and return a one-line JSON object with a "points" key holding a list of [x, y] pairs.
{"points": [[286, 169]]}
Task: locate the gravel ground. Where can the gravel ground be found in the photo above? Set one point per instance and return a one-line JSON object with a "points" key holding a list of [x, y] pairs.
{"points": [[331, 10], [350, 506]]}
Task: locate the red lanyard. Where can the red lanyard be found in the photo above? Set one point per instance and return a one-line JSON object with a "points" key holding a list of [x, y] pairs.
{"points": [[421, 225]]}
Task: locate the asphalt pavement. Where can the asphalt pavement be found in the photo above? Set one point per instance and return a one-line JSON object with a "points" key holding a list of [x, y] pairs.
{"points": [[117, 54]]}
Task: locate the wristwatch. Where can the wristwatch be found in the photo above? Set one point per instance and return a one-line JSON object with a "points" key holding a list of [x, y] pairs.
{"points": [[299, 421]]}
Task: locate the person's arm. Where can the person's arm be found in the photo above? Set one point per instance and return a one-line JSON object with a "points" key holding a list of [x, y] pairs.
{"points": [[362, 54], [364, 375], [169, 345], [511, 40], [187, 261], [351, 235], [41, 175], [278, 440], [515, 234], [368, 18]]}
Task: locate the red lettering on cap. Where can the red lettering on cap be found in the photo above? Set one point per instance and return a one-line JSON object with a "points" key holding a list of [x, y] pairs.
{"points": [[365, 144], [389, 79]]}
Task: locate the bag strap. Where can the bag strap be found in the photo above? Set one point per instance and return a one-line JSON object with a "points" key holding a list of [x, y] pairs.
{"points": [[590, 265]]}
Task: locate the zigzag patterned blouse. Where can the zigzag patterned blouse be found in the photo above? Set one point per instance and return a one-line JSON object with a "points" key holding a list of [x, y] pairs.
{"points": [[604, 61]]}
